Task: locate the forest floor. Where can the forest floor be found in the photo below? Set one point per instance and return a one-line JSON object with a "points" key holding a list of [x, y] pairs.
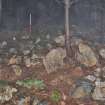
{"points": [[29, 78], [62, 81]]}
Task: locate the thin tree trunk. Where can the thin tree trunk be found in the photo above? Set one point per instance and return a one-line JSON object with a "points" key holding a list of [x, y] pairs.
{"points": [[67, 30], [0, 11]]}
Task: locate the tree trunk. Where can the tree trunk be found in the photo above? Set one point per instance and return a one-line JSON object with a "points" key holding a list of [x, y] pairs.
{"points": [[67, 30], [0, 12]]}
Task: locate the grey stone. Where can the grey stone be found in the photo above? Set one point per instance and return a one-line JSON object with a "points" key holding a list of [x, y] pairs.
{"points": [[43, 103], [3, 44], [12, 51], [26, 52], [82, 89], [97, 72], [91, 78]]}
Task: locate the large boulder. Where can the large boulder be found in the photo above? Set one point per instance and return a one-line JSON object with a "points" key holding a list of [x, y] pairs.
{"points": [[54, 59], [86, 55]]}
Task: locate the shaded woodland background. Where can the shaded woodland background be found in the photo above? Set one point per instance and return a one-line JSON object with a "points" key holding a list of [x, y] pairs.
{"points": [[86, 17]]}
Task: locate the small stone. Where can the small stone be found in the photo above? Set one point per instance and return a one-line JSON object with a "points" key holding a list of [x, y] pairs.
{"points": [[86, 84], [26, 52], [97, 72], [43, 103], [91, 78], [14, 38], [60, 40], [102, 52], [49, 46], [54, 60], [3, 44], [12, 51], [86, 55], [81, 89]]}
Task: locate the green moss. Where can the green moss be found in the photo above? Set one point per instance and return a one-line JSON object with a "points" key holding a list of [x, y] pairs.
{"points": [[55, 96], [39, 84]]}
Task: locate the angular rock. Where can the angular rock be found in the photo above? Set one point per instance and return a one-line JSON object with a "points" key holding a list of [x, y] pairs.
{"points": [[54, 60], [26, 52], [12, 51], [91, 78], [86, 55], [83, 89], [79, 93]]}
